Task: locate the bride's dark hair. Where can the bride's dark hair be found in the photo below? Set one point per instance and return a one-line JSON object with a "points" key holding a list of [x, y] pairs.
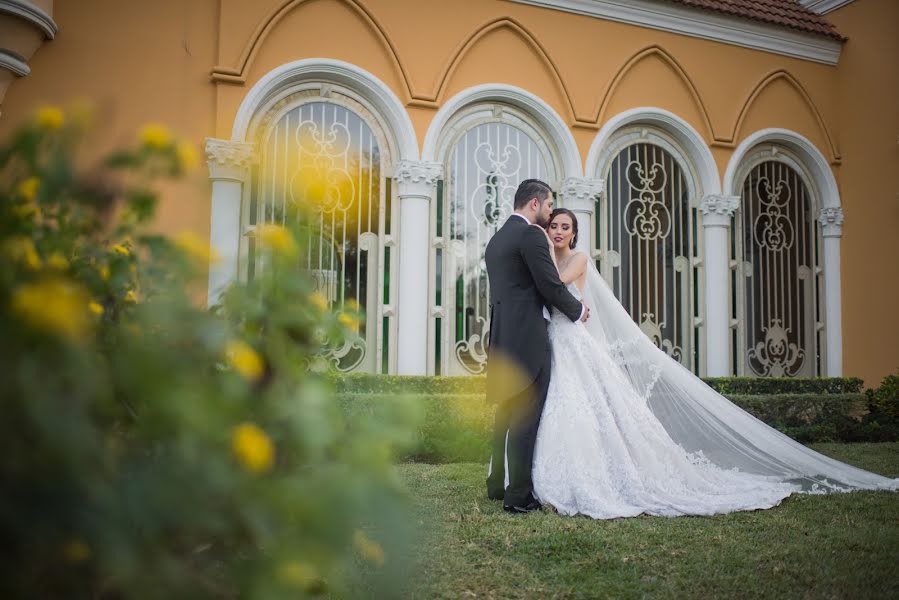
{"points": [[564, 211]]}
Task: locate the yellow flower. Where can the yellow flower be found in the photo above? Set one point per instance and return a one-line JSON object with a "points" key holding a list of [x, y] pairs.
{"points": [[352, 305], [57, 261], [252, 448], [319, 301], [348, 321], [96, 308], [104, 272], [76, 551], [369, 549], [194, 247], [121, 249], [156, 136], [27, 211], [297, 574], [277, 238], [54, 305], [49, 117], [28, 188], [130, 297], [244, 360], [187, 155], [21, 249]]}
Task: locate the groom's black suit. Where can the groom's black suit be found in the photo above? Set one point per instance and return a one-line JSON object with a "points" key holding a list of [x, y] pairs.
{"points": [[523, 279]]}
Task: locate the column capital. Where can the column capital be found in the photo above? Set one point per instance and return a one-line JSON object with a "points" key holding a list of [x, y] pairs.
{"points": [[717, 209], [416, 177], [229, 160], [579, 193], [831, 220]]}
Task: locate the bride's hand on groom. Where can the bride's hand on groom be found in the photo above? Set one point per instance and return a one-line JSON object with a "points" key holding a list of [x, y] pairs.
{"points": [[585, 314]]}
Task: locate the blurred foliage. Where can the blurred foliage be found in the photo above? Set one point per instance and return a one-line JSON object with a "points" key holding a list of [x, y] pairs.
{"points": [[154, 449]]}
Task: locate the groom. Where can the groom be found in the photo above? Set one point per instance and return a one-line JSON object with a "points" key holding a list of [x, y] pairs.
{"points": [[523, 283]]}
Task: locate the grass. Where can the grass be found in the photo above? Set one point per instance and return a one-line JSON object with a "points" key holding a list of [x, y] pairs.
{"points": [[837, 546]]}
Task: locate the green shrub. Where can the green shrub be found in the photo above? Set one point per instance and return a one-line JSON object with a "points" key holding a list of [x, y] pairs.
{"points": [[807, 418], [153, 449], [366, 383], [881, 424], [785, 385], [452, 427]]}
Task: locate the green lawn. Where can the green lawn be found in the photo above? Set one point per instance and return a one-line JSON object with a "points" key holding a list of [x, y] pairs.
{"points": [[838, 546]]}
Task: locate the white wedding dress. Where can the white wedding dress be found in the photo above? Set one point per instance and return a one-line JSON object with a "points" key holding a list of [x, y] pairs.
{"points": [[626, 430]]}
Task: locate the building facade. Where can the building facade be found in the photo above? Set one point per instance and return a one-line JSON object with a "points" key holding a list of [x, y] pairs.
{"points": [[733, 165]]}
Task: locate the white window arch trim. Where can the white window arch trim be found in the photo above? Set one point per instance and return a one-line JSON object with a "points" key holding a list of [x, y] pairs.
{"points": [[530, 104], [629, 133], [829, 216], [476, 114], [283, 80], [685, 135]]}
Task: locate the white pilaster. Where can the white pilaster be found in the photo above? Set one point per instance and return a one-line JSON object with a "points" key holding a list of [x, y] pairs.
{"points": [[717, 211], [831, 221], [229, 169], [579, 195], [415, 182]]}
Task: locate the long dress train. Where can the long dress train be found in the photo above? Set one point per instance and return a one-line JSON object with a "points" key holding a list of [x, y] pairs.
{"points": [[627, 430]]}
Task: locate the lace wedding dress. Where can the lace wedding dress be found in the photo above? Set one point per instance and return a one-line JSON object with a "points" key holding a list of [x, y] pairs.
{"points": [[626, 430]]}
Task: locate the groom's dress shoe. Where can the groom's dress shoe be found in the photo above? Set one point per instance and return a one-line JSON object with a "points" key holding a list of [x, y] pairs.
{"points": [[532, 506]]}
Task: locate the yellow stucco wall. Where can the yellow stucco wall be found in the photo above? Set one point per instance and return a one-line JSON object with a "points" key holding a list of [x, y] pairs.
{"points": [[151, 61], [867, 98]]}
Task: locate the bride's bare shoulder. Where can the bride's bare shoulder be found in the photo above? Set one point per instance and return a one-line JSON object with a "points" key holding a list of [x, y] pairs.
{"points": [[579, 258]]}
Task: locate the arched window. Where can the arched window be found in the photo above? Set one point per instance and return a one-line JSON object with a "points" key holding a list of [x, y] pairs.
{"points": [[779, 283], [322, 147], [487, 150], [647, 241]]}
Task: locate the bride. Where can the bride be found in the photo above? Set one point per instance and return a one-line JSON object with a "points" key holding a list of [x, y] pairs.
{"points": [[627, 430]]}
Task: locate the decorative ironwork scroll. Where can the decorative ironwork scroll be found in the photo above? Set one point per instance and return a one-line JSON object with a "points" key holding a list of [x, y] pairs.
{"points": [[325, 156], [778, 264], [647, 239]]}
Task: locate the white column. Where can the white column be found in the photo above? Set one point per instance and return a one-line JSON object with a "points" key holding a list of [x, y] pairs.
{"points": [[229, 168], [717, 211], [415, 182], [831, 221], [579, 195]]}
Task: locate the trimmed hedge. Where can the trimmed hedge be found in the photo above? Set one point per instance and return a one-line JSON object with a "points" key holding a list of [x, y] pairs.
{"points": [[808, 417], [455, 421], [364, 383], [457, 427], [785, 385], [451, 427], [379, 384]]}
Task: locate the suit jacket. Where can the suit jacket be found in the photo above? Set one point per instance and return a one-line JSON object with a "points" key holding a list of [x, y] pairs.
{"points": [[523, 279]]}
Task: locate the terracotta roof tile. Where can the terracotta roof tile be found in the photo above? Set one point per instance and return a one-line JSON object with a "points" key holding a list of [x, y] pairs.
{"points": [[786, 13]]}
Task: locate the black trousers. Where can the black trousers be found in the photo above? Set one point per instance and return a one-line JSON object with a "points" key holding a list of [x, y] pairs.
{"points": [[519, 418]]}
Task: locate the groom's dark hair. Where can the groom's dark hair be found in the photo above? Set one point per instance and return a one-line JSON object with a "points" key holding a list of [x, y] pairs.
{"points": [[531, 188]]}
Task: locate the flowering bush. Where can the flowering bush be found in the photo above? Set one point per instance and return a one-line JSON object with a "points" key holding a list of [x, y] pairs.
{"points": [[153, 449]]}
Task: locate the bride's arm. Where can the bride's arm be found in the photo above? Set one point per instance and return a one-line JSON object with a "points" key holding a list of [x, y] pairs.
{"points": [[575, 268]]}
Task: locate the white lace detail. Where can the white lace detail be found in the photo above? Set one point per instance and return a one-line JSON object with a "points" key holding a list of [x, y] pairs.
{"points": [[626, 431]]}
